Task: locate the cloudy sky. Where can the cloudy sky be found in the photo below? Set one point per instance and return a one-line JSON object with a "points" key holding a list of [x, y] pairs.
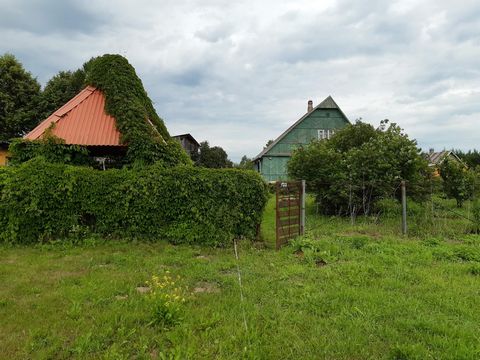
{"points": [[238, 73]]}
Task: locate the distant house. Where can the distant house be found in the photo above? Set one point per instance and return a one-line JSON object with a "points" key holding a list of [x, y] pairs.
{"points": [[189, 143], [83, 121], [3, 153], [435, 159], [320, 122]]}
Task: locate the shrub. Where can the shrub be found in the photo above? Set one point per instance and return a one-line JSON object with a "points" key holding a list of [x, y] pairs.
{"points": [[42, 201], [359, 166]]}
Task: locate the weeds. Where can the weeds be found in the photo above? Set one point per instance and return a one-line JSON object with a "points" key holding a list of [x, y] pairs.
{"points": [[165, 299]]}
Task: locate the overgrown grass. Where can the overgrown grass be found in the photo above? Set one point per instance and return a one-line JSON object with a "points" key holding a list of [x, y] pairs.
{"points": [[341, 292]]}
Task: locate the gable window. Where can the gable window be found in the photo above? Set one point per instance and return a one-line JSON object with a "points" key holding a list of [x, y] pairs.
{"points": [[325, 134]]}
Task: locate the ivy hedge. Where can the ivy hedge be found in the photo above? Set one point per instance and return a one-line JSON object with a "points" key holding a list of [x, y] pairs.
{"points": [[41, 201]]}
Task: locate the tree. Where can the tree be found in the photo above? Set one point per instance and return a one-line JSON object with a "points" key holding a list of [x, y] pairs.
{"points": [[458, 182], [60, 89], [212, 157], [269, 142], [471, 158], [245, 163], [19, 96], [358, 166]]}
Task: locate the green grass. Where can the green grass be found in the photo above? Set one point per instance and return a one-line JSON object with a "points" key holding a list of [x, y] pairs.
{"points": [[373, 295]]}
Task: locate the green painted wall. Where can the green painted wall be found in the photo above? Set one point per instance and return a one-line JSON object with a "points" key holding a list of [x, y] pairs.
{"points": [[273, 165], [274, 168]]}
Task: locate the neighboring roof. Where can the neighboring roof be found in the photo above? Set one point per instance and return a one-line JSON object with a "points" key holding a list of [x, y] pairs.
{"points": [[436, 158], [82, 121], [189, 136], [328, 103]]}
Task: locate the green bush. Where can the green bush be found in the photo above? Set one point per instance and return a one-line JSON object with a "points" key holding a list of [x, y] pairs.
{"points": [[43, 201], [359, 166]]}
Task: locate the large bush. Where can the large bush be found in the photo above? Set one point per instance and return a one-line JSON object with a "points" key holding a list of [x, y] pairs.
{"points": [[42, 200], [358, 166]]}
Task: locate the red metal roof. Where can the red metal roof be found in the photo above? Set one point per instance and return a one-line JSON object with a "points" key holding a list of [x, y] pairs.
{"points": [[82, 121]]}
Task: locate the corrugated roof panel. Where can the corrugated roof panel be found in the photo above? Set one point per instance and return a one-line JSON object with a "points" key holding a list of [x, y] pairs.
{"points": [[82, 121]]}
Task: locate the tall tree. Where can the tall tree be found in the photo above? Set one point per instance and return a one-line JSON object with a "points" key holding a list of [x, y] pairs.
{"points": [[59, 89], [458, 182], [19, 96], [212, 157], [245, 163]]}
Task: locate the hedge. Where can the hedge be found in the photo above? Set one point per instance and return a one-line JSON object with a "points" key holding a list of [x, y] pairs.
{"points": [[41, 201]]}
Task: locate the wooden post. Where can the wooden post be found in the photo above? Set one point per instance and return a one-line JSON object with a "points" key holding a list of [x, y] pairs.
{"points": [[404, 208], [302, 214]]}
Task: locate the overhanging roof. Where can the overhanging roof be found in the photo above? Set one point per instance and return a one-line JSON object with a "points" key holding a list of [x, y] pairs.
{"points": [[81, 121], [328, 103], [192, 139]]}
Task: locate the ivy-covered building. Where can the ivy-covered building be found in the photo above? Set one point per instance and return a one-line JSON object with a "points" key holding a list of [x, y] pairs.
{"points": [[320, 122], [83, 121]]}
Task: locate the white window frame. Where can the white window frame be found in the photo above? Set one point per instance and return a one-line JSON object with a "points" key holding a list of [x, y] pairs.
{"points": [[321, 134], [325, 134]]}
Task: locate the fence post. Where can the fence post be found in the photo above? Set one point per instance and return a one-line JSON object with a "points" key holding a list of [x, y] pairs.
{"points": [[404, 208], [302, 214]]}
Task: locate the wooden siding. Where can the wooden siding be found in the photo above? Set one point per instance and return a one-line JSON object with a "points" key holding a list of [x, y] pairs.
{"points": [[307, 130], [274, 168], [273, 164]]}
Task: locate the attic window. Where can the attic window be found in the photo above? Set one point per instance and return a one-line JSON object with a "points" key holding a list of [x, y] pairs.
{"points": [[325, 134]]}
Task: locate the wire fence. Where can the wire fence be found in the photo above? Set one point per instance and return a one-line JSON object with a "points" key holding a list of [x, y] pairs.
{"points": [[377, 204]]}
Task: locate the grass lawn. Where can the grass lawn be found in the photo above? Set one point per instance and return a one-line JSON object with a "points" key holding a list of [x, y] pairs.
{"points": [[344, 292]]}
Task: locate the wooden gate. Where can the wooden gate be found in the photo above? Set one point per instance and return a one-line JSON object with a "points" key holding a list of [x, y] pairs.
{"points": [[289, 211]]}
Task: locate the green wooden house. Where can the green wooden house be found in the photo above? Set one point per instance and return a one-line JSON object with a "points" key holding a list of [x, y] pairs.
{"points": [[320, 122]]}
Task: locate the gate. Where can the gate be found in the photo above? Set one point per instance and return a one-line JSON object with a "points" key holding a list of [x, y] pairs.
{"points": [[290, 211]]}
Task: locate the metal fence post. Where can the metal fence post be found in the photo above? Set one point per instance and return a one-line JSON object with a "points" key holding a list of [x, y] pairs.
{"points": [[302, 214], [404, 208]]}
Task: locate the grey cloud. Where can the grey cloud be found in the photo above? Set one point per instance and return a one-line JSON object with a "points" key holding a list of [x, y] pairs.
{"points": [[44, 17], [237, 74]]}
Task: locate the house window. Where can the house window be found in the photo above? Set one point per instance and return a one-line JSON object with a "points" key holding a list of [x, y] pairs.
{"points": [[325, 134]]}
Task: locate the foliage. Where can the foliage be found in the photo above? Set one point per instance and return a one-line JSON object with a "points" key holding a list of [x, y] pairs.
{"points": [[245, 163], [19, 96], [471, 158], [358, 166], [127, 101], [166, 299], [476, 216], [42, 201], [458, 182], [269, 142], [59, 90], [51, 148], [314, 252], [212, 157]]}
